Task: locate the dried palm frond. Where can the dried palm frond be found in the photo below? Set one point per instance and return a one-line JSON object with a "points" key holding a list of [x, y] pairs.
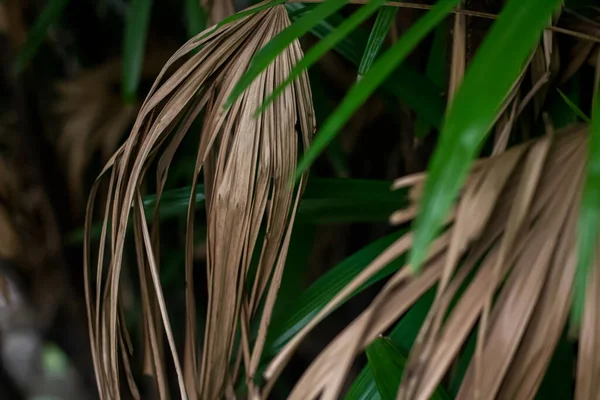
{"points": [[513, 231], [218, 9], [94, 118], [246, 161], [581, 51]]}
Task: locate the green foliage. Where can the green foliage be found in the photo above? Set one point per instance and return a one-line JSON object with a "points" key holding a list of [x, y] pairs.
{"points": [[376, 76], [308, 304], [573, 106], [496, 66], [405, 82], [134, 45], [379, 32], [589, 219], [49, 16], [324, 201], [195, 17]]}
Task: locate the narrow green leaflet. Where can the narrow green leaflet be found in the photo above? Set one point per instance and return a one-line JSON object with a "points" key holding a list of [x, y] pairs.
{"points": [[134, 45], [382, 68], [387, 364], [363, 387], [405, 82], [285, 325], [574, 107], [496, 66], [589, 218], [280, 42], [322, 47], [38, 32], [380, 29], [195, 17]]}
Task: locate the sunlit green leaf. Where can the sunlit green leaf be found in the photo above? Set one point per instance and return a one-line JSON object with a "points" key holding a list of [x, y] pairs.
{"points": [[496, 66]]}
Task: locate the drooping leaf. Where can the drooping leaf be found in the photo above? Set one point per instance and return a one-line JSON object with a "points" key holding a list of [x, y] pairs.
{"points": [[268, 53], [38, 32], [381, 27], [501, 56], [382, 68], [589, 218], [134, 45]]}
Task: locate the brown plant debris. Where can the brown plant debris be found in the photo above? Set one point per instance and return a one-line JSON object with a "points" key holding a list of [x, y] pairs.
{"points": [[246, 163], [511, 241], [94, 118]]}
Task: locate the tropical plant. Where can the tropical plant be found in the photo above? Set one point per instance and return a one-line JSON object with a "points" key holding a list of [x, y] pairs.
{"points": [[488, 284]]}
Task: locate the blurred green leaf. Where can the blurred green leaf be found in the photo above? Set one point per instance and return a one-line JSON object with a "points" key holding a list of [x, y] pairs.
{"points": [[574, 106], [381, 27], [280, 42], [387, 364], [405, 82], [382, 68], [38, 33], [195, 17], [134, 45], [322, 47], [488, 80], [285, 325], [589, 219]]}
